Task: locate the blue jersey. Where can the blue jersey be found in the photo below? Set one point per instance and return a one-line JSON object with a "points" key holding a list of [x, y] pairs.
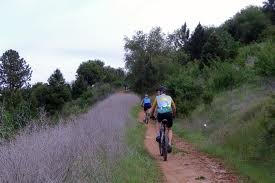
{"points": [[147, 100]]}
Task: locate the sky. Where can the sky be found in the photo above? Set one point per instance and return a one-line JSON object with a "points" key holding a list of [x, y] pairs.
{"points": [[62, 34]]}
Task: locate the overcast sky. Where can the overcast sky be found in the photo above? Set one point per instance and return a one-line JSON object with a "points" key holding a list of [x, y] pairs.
{"points": [[52, 34]]}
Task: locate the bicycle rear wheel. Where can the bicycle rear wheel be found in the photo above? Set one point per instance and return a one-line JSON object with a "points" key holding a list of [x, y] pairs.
{"points": [[160, 144], [165, 148]]}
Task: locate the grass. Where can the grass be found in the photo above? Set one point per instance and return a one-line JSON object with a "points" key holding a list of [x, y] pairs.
{"points": [[234, 132], [137, 165]]}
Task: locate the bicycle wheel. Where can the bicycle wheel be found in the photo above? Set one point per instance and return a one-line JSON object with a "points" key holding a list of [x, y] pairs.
{"points": [[164, 148], [146, 118], [160, 144]]}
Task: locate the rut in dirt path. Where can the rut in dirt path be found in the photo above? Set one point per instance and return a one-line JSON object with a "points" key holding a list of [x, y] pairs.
{"points": [[185, 164]]}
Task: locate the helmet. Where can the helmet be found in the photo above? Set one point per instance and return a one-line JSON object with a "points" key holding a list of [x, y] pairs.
{"points": [[162, 89], [146, 95]]}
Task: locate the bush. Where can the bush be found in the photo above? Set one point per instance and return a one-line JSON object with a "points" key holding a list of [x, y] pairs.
{"points": [[187, 89], [247, 25], [223, 76], [265, 63]]}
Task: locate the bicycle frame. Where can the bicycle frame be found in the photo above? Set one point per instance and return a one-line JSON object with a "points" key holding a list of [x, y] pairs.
{"points": [[147, 116]]}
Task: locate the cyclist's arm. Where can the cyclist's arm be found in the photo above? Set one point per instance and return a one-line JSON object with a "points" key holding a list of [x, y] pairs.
{"points": [[174, 107]]}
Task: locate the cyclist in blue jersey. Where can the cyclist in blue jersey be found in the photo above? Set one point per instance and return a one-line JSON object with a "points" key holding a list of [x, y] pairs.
{"points": [[146, 103]]}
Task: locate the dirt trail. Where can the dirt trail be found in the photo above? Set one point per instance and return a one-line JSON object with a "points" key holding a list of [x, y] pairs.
{"points": [[185, 164]]}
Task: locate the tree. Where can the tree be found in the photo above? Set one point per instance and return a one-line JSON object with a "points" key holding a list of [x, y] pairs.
{"points": [[39, 95], [91, 71], [196, 42], [56, 79], [143, 54], [59, 92], [220, 45], [179, 38], [15, 73], [79, 86], [269, 8], [247, 25]]}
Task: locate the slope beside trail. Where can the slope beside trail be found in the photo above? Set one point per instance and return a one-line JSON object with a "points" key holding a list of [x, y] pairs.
{"points": [[83, 149], [185, 164]]}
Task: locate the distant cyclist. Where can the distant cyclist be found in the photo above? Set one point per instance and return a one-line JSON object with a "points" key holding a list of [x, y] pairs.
{"points": [[166, 109], [147, 104]]}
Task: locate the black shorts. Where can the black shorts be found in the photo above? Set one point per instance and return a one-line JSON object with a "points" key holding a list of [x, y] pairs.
{"points": [[168, 116], [146, 107]]}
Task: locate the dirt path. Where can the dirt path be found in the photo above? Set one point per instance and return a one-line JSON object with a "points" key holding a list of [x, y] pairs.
{"points": [[185, 164]]}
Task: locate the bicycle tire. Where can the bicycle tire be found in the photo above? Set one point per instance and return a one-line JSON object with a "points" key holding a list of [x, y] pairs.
{"points": [[165, 148], [160, 146]]}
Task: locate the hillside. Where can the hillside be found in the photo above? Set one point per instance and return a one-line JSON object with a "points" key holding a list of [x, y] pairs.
{"points": [[239, 127]]}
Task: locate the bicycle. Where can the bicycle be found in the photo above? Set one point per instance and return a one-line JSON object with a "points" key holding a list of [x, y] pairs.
{"points": [[163, 143], [147, 117]]}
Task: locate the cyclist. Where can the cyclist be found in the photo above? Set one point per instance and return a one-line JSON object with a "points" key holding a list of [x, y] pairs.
{"points": [[146, 103], [166, 109]]}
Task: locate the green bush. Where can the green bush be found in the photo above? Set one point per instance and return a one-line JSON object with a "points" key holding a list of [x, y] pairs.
{"points": [[225, 75], [265, 63], [187, 88]]}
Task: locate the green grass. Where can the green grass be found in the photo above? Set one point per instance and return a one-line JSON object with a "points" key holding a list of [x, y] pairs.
{"points": [[234, 132], [137, 165]]}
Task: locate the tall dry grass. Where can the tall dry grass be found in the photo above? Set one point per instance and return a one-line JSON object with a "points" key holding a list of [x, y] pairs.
{"points": [[83, 150]]}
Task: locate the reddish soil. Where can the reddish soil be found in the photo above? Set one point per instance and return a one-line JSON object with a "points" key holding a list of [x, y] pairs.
{"points": [[185, 163]]}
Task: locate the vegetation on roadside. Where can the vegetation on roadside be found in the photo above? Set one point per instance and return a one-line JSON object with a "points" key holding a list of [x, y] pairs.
{"points": [[238, 127], [21, 103], [136, 165], [222, 77]]}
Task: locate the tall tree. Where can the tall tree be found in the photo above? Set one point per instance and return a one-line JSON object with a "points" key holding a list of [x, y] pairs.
{"points": [[179, 38], [196, 42], [143, 53], [59, 92], [15, 73], [91, 71], [56, 79], [269, 8], [247, 25], [220, 45]]}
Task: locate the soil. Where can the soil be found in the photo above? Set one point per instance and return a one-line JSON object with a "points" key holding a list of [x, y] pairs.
{"points": [[186, 164]]}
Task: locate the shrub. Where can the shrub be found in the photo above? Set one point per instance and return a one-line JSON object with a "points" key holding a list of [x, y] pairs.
{"points": [[187, 89], [265, 63], [223, 76]]}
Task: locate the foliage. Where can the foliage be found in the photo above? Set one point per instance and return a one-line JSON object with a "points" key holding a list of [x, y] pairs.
{"points": [[265, 63], [78, 87], [269, 8], [225, 76], [179, 38], [240, 129], [15, 73], [247, 25], [136, 162], [196, 42], [142, 53], [59, 92], [186, 89], [91, 71], [220, 45]]}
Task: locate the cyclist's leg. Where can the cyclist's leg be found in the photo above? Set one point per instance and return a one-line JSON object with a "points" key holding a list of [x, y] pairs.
{"points": [[170, 135], [144, 110], [159, 119]]}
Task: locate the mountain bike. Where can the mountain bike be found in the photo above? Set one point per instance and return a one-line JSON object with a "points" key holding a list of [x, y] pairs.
{"points": [[163, 143], [147, 117]]}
